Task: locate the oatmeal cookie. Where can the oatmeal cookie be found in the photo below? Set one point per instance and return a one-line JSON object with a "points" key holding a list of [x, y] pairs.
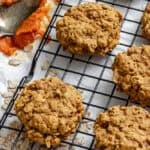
{"points": [[132, 73], [145, 22], [123, 128], [50, 110], [89, 28]]}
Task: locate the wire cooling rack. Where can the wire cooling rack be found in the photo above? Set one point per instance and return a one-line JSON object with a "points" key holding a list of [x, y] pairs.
{"points": [[92, 75]]}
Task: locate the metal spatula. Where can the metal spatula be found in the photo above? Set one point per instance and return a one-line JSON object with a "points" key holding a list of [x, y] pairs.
{"points": [[12, 16]]}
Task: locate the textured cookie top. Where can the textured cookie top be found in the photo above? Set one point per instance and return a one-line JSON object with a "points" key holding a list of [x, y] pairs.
{"points": [[146, 22], [123, 128], [89, 29], [132, 73], [49, 110]]}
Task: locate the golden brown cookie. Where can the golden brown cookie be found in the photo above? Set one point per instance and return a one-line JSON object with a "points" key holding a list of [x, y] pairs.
{"points": [[123, 128], [89, 28], [145, 22], [50, 110], [132, 73]]}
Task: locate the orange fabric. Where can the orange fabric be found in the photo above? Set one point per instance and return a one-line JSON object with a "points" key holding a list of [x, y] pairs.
{"points": [[42, 3], [30, 28], [7, 46], [27, 32], [57, 1], [9, 2]]}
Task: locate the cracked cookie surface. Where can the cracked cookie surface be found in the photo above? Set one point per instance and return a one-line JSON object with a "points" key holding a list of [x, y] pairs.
{"points": [[132, 73], [145, 22], [123, 128], [50, 110], [89, 28]]}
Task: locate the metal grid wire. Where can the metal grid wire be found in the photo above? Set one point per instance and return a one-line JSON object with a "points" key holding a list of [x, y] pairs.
{"points": [[98, 89]]}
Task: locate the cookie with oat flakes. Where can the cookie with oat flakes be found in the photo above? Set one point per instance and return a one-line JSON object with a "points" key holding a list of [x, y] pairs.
{"points": [[50, 110], [123, 128], [89, 28], [145, 22], [131, 72]]}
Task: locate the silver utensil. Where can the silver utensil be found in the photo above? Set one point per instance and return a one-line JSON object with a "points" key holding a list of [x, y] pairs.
{"points": [[12, 16]]}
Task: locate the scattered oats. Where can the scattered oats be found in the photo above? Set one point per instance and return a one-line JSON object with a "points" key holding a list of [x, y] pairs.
{"points": [[12, 90], [90, 126], [73, 148], [12, 84], [79, 141], [42, 148], [2, 140], [19, 92], [85, 121], [15, 124], [14, 62], [16, 53], [83, 128], [81, 91], [22, 144], [70, 137], [30, 54], [45, 65], [7, 100], [37, 146], [6, 141], [13, 110], [5, 146], [11, 136], [53, 73], [4, 106], [7, 94], [86, 126], [87, 114], [28, 48], [62, 147]]}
